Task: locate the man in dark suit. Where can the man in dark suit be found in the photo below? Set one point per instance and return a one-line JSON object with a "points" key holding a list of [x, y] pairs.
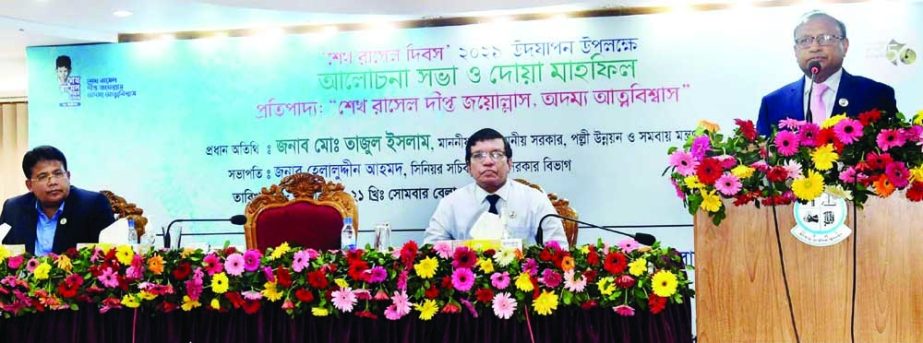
{"points": [[54, 215], [821, 38]]}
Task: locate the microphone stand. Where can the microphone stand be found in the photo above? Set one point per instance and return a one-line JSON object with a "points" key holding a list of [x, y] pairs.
{"points": [[814, 67], [643, 238], [237, 220]]}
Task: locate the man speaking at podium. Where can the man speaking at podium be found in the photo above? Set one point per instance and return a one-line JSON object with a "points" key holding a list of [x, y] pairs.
{"points": [[820, 46], [54, 216], [519, 207]]}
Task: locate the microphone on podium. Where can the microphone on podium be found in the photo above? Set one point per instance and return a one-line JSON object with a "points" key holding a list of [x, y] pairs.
{"points": [[814, 68], [239, 219], [643, 238]]}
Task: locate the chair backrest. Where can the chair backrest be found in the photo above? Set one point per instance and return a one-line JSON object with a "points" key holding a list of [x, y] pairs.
{"points": [[303, 209], [562, 206], [124, 209]]}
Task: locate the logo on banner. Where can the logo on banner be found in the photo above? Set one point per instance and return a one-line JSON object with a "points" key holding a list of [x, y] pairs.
{"points": [[821, 222]]}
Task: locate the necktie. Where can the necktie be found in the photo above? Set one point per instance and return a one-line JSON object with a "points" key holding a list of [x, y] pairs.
{"points": [[818, 110], [492, 199]]}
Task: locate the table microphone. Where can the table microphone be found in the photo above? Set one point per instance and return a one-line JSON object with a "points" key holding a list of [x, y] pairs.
{"points": [[814, 68], [643, 238], [239, 219]]}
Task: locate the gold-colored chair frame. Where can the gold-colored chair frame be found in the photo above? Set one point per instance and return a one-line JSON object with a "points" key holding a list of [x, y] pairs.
{"points": [[295, 188], [124, 209]]}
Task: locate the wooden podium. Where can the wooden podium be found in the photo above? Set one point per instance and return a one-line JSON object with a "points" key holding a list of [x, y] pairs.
{"points": [[740, 293]]}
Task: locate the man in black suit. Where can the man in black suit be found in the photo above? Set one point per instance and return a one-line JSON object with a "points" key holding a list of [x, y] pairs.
{"points": [[54, 215], [821, 39]]}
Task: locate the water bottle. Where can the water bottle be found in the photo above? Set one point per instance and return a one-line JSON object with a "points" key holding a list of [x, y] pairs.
{"points": [[132, 233], [347, 235]]}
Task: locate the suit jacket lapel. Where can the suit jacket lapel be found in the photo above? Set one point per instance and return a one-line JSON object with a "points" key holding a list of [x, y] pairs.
{"points": [[796, 100], [843, 92], [61, 234], [31, 225]]}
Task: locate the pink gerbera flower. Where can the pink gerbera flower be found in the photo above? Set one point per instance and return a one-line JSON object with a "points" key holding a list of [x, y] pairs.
{"points": [[213, 264], [343, 299], [791, 124], [300, 260], [807, 134], [574, 285], [684, 162], [109, 278], [550, 278], [889, 138], [252, 260], [500, 280], [462, 279], [377, 274], [897, 173], [234, 264], [793, 168], [443, 249], [628, 245], [700, 146], [848, 175], [848, 131], [624, 310], [786, 143], [504, 305], [728, 184]]}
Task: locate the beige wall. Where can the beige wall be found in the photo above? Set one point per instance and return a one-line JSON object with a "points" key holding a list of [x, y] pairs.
{"points": [[14, 141]]}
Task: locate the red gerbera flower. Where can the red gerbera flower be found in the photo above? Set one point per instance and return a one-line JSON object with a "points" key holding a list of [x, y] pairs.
{"points": [[182, 270], [708, 171], [869, 117], [747, 129], [234, 297], [484, 295], [283, 277], [615, 263], [251, 306], [878, 161], [915, 192], [317, 279], [656, 303], [304, 295], [592, 257], [777, 174]]}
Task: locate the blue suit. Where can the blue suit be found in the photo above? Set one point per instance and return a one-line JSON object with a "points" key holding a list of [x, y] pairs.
{"points": [[860, 94], [86, 214]]}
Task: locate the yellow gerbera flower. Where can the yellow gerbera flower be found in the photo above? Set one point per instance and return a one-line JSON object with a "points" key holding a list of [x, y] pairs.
{"points": [[130, 301], [742, 172], [279, 251], [124, 254], [341, 282], [832, 121], [319, 312], [808, 188], [824, 157], [710, 201], [426, 268], [41, 272], [427, 310], [486, 265], [918, 118], [606, 285], [838, 191], [220, 283], [4, 253], [63, 263], [147, 295], [545, 303], [916, 174], [215, 304], [692, 181], [637, 267], [270, 292], [664, 283], [189, 304], [524, 283], [709, 126]]}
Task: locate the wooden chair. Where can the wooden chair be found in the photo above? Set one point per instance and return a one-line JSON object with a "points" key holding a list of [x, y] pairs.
{"points": [[562, 206], [124, 209], [303, 209]]}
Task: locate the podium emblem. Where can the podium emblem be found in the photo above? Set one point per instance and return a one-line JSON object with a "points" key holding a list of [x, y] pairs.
{"points": [[821, 222]]}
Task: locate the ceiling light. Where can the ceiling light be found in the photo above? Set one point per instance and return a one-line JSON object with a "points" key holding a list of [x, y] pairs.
{"points": [[122, 13]]}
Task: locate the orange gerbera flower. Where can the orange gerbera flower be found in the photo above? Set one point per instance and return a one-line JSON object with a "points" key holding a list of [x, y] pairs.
{"points": [[567, 263], [155, 264], [883, 187]]}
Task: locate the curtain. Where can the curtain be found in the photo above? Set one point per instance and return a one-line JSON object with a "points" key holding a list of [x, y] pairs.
{"points": [[14, 142]]}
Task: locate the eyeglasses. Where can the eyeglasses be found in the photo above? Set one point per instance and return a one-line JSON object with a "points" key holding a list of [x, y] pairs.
{"points": [[55, 175], [824, 39], [480, 156]]}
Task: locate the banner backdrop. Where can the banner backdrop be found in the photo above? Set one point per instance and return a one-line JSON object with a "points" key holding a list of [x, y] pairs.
{"points": [[194, 128]]}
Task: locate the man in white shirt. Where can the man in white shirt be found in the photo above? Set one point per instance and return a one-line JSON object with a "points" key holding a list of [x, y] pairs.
{"points": [[489, 158]]}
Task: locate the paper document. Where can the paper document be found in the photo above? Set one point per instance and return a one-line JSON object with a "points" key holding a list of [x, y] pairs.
{"points": [[117, 233]]}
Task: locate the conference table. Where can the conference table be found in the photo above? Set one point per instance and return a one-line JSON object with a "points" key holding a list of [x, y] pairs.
{"points": [[271, 324]]}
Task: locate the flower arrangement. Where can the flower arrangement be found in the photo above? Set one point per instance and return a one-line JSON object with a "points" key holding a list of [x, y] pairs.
{"points": [[852, 158], [410, 281]]}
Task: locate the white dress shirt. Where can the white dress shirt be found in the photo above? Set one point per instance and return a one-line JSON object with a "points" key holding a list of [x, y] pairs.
{"points": [[833, 83], [521, 206]]}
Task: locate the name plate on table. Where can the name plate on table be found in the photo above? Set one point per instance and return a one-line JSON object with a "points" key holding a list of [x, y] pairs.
{"points": [[15, 249]]}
